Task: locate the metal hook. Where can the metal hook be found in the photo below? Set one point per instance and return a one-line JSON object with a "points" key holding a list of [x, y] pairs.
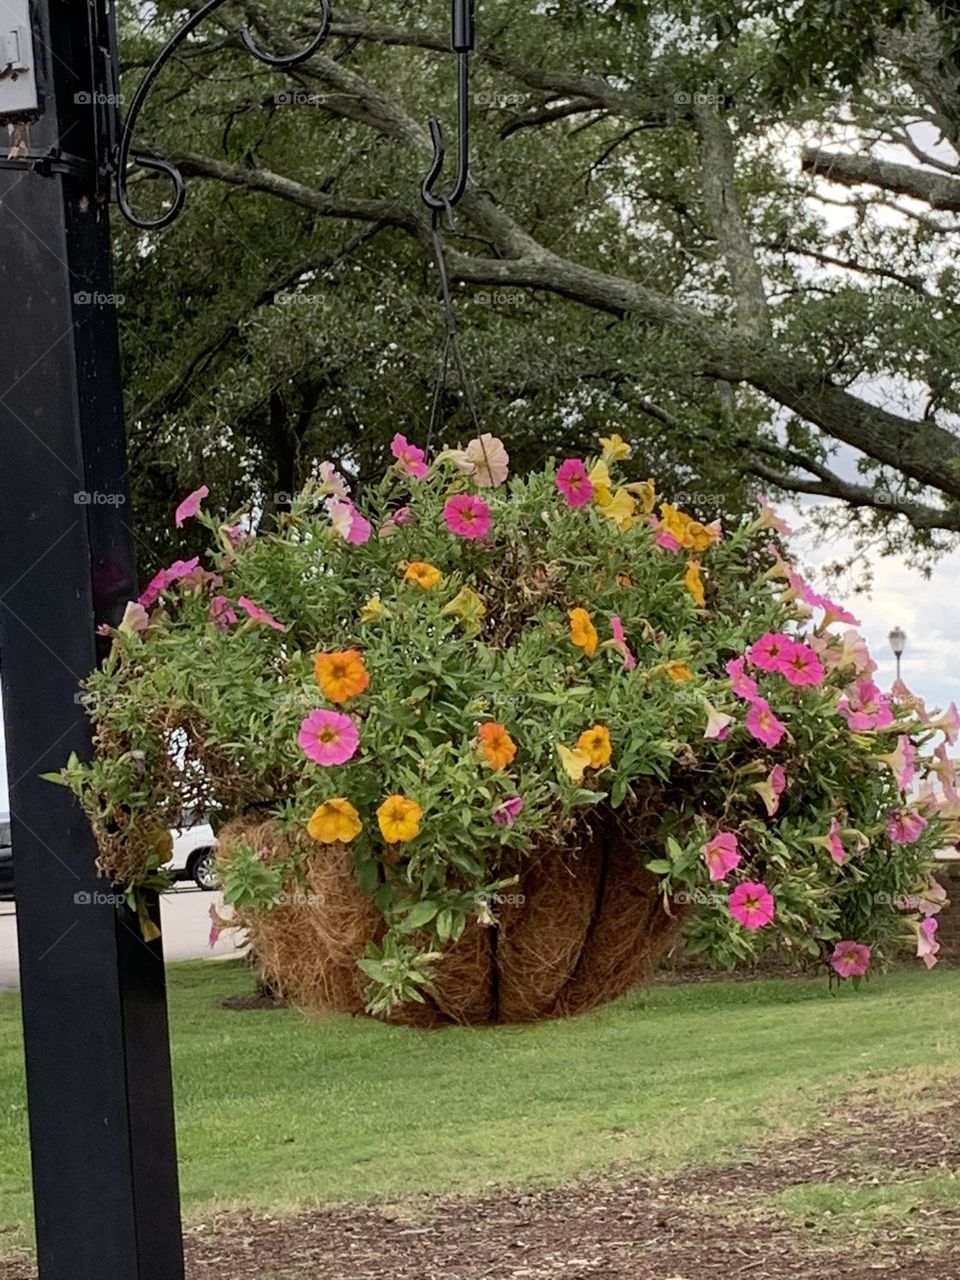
{"points": [[294, 59], [166, 167], [461, 44]]}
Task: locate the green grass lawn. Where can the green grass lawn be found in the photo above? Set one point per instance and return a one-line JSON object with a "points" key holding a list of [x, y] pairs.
{"points": [[277, 1111]]}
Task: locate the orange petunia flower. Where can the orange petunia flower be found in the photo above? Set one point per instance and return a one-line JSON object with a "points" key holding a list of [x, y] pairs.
{"points": [[498, 747], [399, 819], [582, 631], [423, 574], [341, 675], [596, 743]]}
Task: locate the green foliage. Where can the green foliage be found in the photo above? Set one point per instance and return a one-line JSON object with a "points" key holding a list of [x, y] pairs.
{"points": [[497, 703]]}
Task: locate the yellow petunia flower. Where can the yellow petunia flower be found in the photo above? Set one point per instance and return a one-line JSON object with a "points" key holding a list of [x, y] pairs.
{"points": [[645, 492], [374, 610], [596, 743], [582, 631], [399, 819], [425, 575], [468, 606], [335, 822], [600, 476], [694, 583], [618, 507], [615, 448], [341, 675], [575, 763]]}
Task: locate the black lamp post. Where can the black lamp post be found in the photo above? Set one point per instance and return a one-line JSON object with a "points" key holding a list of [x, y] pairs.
{"points": [[898, 642], [94, 1001]]}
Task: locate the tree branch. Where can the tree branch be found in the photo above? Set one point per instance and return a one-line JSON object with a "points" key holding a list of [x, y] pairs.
{"points": [[935, 189]]}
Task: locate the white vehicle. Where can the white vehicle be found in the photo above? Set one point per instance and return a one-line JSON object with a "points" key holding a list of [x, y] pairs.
{"points": [[194, 855]]}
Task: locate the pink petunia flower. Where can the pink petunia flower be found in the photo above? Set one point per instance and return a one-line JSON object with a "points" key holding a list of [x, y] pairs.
{"points": [[744, 686], [721, 855], [769, 651], [933, 898], [190, 506], [850, 959], [751, 904], [865, 708], [770, 520], [906, 826], [574, 483], [330, 483], [833, 612], [166, 577], [949, 722], [259, 615], [718, 723], [763, 724], [772, 788], [834, 844], [411, 459], [801, 666], [349, 523], [620, 641], [507, 812], [329, 737], [927, 944], [488, 460], [222, 613], [467, 516], [902, 761], [668, 541]]}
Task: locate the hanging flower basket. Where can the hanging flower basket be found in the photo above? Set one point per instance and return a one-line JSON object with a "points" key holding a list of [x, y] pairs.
{"points": [[479, 747]]}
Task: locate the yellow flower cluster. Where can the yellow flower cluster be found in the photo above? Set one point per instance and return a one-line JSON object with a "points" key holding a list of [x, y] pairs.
{"points": [[337, 821], [690, 533]]}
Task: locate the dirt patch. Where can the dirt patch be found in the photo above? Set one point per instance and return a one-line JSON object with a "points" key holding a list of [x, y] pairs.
{"points": [[701, 1224]]}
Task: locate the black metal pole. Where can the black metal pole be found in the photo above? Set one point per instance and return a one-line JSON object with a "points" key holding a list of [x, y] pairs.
{"points": [[94, 1004]]}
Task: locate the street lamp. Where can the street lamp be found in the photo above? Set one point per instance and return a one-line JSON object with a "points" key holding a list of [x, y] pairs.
{"points": [[898, 642]]}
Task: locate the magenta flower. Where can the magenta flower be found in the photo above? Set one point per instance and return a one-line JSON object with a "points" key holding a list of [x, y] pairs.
{"points": [[329, 737], [906, 826], [769, 651], [834, 844], [763, 724], [721, 856], [508, 811], [574, 483], [402, 515], [927, 944], [772, 788], [467, 516], [866, 708], [801, 666], [751, 904], [222, 613], [620, 642], [667, 540], [411, 459], [744, 686], [190, 507], [259, 615], [850, 959], [834, 612], [166, 577], [349, 523]]}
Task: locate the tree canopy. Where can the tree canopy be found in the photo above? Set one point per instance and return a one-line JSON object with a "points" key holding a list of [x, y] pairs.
{"points": [[723, 230]]}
